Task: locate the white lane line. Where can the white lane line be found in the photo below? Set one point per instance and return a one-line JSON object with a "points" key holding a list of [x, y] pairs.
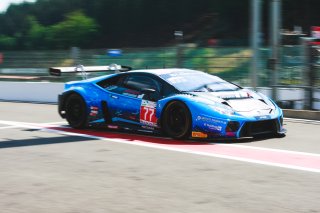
{"points": [[14, 124], [54, 123], [39, 126], [158, 146], [298, 120], [17, 124], [163, 147], [273, 150], [8, 127]]}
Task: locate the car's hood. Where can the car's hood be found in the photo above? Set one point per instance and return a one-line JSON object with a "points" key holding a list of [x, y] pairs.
{"points": [[244, 101]]}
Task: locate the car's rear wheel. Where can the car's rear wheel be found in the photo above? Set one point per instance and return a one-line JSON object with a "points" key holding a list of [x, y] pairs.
{"points": [[176, 120], [76, 114]]}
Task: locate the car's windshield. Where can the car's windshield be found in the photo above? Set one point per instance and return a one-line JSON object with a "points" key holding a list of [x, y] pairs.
{"points": [[196, 81]]}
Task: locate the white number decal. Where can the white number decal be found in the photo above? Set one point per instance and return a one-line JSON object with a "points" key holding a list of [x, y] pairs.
{"points": [[148, 114]]}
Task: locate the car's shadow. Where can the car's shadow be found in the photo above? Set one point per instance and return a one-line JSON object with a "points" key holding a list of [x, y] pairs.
{"points": [[95, 133], [130, 135]]}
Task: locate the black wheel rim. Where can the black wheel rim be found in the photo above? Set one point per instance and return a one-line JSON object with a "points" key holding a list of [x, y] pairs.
{"points": [[177, 120], [75, 111]]}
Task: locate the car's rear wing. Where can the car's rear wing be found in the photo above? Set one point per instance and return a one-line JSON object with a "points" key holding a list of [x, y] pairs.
{"points": [[57, 71]]}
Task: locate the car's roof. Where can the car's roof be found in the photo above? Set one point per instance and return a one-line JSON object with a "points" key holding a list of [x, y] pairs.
{"points": [[160, 72], [157, 72]]}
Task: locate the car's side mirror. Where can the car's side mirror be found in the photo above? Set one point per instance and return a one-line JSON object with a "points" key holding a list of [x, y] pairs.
{"points": [[149, 94]]}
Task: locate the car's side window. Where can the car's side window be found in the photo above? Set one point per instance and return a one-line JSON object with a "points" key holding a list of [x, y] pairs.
{"points": [[141, 83], [135, 85], [113, 84], [109, 81], [168, 90]]}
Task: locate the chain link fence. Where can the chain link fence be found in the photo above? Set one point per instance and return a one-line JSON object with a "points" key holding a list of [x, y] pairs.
{"points": [[229, 63], [232, 64]]}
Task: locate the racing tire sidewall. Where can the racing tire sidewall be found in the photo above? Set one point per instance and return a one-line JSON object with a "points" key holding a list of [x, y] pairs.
{"points": [[176, 120], [76, 114]]}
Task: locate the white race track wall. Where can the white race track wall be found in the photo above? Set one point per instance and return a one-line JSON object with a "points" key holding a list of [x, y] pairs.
{"points": [[31, 91], [48, 93]]}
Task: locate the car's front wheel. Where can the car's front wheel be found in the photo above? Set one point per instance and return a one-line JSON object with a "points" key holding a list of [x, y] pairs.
{"points": [[176, 120], [76, 114]]}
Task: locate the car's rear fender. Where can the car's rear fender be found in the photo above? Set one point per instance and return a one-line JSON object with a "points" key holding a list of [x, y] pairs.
{"points": [[84, 90]]}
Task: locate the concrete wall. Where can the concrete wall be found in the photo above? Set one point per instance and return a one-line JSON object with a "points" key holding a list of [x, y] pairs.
{"points": [[30, 91], [301, 114]]}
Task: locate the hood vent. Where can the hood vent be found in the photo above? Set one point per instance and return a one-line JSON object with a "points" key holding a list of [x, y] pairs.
{"points": [[226, 103], [262, 101]]}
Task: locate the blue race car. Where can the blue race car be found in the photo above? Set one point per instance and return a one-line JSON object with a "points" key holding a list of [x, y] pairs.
{"points": [[180, 103]]}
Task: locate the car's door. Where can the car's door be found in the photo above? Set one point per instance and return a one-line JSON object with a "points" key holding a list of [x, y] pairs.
{"points": [[132, 99]]}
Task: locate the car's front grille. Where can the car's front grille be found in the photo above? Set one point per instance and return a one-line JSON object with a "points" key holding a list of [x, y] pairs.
{"points": [[259, 127]]}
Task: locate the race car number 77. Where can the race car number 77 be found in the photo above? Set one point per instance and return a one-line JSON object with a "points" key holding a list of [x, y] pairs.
{"points": [[148, 113]]}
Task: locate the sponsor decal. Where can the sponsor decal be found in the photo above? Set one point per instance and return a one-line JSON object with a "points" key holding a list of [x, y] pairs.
{"points": [[147, 127], [147, 103], [148, 113], [113, 127], [94, 111], [211, 120], [213, 127], [199, 135], [263, 117], [148, 123], [131, 93]]}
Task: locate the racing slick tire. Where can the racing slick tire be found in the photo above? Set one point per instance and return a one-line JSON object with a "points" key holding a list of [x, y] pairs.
{"points": [[76, 114], [176, 120]]}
